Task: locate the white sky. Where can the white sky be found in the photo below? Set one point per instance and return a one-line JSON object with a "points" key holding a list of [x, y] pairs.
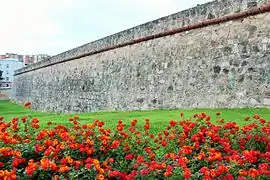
{"points": [[54, 26]]}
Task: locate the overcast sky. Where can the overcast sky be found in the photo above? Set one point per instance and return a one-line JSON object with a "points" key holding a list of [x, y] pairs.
{"points": [[54, 26]]}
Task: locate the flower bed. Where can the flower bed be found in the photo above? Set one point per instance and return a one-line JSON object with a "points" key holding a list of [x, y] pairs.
{"points": [[201, 147]]}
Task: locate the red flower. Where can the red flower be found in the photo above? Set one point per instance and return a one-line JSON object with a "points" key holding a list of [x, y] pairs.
{"points": [[247, 118], [164, 143], [115, 173], [115, 144], [144, 172], [187, 173], [172, 123], [140, 159], [263, 166], [2, 164], [88, 166], [129, 157], [35, 120], [135, 166], [241, 178], [253, 173], [27, 104], [256, 116]]}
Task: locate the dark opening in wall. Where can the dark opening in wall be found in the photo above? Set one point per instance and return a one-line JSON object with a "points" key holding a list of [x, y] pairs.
{"points": [[244, 63], [210, 16], [154, 101], [217, 69], [226, 71], [170, 88], [140, 100]]}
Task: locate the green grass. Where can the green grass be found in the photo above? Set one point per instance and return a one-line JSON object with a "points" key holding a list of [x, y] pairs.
{"points": [[158, 118]]}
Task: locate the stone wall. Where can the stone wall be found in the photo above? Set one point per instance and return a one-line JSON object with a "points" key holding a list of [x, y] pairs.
{"points": [[224, 65]]}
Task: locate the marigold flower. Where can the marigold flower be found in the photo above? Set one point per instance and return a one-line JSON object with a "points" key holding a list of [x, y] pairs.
{"points": [[242, 172], [163, 165], [95, 162], [100, 177]]}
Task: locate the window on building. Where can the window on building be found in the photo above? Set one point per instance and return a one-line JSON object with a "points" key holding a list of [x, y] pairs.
{"points": [[7, 78], [6, 72], [7, 85], [7, 66]]}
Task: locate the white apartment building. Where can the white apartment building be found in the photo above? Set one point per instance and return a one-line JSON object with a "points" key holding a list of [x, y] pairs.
{"points": [[8, 66]]}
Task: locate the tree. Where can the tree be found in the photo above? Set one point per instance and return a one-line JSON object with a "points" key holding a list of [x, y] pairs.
{"points": [[1, 78]]}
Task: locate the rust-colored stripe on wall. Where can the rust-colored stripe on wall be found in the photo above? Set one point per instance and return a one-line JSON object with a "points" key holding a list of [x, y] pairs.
{"points": [[250, 12]]}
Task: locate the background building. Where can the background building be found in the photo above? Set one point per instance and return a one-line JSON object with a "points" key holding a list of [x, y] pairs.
{"points": [[8, 66], [26, 59]]}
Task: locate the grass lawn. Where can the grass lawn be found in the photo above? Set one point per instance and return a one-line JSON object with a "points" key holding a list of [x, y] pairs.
{"points": [[158, 118]]}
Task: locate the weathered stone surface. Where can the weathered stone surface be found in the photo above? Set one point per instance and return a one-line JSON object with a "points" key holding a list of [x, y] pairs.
{"points": [[225, 65]]}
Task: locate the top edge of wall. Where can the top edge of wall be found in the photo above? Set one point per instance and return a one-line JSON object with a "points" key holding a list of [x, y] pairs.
{"points": [[209, 10]]}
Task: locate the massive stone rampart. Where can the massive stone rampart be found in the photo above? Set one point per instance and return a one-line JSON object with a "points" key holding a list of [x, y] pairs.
{"points": [[213, 55]]}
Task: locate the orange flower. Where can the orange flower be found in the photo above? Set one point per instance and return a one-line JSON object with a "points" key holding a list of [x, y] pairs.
{"points": [[163, 165], [100, 177], [242, 172], [167, 174], [256, 116], [95, 162], [213, 173], [102, 148], [64, 168]]}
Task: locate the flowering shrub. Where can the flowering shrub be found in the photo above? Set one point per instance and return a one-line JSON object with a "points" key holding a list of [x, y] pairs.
{"points": [[195, 148]]}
